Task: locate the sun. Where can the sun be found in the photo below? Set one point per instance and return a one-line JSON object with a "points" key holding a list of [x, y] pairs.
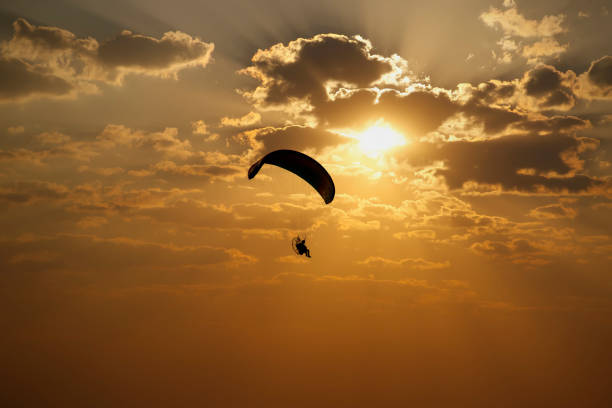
{"points": [[378, 138]]}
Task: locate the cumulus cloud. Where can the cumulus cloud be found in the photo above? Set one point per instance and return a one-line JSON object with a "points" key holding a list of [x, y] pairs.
{"points": [[199, 127], [550, 87], [51, 61], [511, 22], [548, 47], [249, 119], [542, 88], [533, 39], [300, 70]]}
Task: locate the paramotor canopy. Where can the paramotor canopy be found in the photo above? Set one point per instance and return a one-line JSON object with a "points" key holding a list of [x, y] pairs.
{"points": [[303, 166]]}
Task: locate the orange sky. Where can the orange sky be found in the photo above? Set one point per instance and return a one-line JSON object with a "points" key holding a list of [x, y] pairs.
{"points": [[465, 259]]}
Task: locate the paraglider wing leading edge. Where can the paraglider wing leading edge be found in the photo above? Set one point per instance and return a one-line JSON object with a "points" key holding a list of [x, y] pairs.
{"points": [[303, 166]]}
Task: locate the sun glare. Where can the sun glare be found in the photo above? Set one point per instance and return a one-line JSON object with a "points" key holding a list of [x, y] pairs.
{"points": [[378, 138]]}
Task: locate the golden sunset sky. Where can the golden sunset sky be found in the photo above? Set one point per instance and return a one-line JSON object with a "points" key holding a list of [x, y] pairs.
{"points": [[466, 260]]}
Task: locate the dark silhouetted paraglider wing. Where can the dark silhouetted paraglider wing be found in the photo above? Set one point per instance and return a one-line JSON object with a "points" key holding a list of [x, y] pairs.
{"points": [[302, 165]]}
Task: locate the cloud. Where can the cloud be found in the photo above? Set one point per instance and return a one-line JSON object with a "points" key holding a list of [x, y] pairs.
{"points": [[117, 254], [101, 171], [548, 47], [92, 222], [533, 39], [164, 57], [58, 145], [542, 88], [409, 263], [493, 119], [550, 87], [596, 83], [521, 163], [26, 192], [263, 140], [200, 171], [15, 130], [81, 151], [416, 234], [52, 138], [292, 259], [554, 124], [600, 72], [413, 113], [249, 119], [50, 61], [300, 70], [514, 248], [199, 127], [165, 142], [511, 22], [20, 81], [553, 211]]}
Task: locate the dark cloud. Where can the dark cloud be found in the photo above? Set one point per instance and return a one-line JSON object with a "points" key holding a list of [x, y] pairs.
{"points": [[516, 247], [22, 192], [550, 87], [19, 80], [418, 112], [301, 69], [524, 163], [42, 38], [139, 51], [554, 124], [53, 61], [542, 80], [491, 92], [596, 83], [493, 119], [600, 72]]}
